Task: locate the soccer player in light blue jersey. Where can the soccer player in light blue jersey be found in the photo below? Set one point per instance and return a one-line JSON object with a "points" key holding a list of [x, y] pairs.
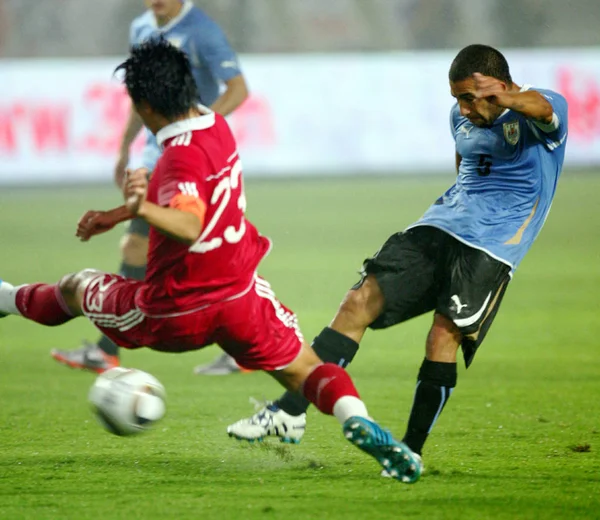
{"points": [[214, 65], [457, 259]]}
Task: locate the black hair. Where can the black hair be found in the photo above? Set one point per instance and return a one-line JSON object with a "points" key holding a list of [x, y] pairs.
{"points": [[159, 74], [480, 58]]}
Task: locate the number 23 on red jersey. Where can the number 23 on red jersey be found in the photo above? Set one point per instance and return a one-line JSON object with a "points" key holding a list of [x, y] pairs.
{"points": [[225, 212]]}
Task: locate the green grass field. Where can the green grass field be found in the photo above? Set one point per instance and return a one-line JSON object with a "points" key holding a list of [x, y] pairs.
{"points": [[519, 439]]}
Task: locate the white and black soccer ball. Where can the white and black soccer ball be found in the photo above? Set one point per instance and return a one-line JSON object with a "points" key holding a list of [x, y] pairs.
{"points": [[127, 401]]}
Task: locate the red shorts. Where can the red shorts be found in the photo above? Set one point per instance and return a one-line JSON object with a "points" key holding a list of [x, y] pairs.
{"points": [[253, 327]]}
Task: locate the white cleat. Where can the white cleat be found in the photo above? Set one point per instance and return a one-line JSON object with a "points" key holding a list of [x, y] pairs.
{"points": [[7, 286], [271, 421]]}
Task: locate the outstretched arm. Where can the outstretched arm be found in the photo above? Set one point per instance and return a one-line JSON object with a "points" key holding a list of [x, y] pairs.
{"points": [[97, 222]]}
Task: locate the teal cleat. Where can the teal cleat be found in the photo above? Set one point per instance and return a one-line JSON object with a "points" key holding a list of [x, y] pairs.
{"points": [[395, 457]]}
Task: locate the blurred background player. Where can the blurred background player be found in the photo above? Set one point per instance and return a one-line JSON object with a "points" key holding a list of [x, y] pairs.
{"points": [[202, 285], [458, 259], [214, 63]]}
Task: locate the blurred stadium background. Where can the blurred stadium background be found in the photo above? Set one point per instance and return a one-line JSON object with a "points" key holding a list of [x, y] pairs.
{"points": [[342, 92], [54, 27], [345, 86]]}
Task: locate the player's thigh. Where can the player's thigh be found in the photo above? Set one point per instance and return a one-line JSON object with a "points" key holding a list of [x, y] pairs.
{"points": [[108, 301], [404, 269], [259, 331], [361, 306], [183, 331], [474, 285], [443, 340]]}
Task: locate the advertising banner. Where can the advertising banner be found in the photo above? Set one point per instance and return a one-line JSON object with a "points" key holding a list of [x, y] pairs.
{"points": [[62, 120]]}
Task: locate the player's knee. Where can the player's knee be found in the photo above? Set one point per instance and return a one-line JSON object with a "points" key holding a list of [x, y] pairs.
{"points": [[134, 249], [364, 302], [443, 340], [70, 284], [445, 330], [71, 288]]}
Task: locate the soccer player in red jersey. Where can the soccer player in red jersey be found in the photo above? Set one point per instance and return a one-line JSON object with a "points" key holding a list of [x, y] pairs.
{"points": [[214, 63], [201, 285]]}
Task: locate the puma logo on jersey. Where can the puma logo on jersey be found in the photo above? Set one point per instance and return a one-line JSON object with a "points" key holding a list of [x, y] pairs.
{"points": [[465, 130], [188, 188], [229, 64], [459, 306]]}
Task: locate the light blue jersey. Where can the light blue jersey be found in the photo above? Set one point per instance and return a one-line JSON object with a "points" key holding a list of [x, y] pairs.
{"points": [[506, 181], [212, 58]]}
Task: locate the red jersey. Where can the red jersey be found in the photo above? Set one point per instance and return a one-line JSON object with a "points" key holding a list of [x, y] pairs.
{"points": [[200, 159]]}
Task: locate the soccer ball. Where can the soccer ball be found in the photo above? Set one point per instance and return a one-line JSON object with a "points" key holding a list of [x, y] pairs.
{"points": [[127, 401]]}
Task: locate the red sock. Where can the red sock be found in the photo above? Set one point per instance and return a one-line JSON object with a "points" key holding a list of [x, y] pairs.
{"points": [[326, 384], [43, 303]]}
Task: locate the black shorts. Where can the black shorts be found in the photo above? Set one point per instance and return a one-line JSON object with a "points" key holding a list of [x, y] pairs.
{"points": [[425, 269]]}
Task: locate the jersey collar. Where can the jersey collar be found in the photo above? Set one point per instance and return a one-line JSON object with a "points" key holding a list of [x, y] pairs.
{"points": [[202, 122], [185, 9]]}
